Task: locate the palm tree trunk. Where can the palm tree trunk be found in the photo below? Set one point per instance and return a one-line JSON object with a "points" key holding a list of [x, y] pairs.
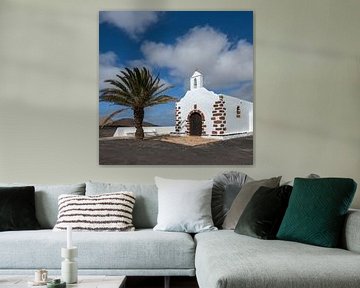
{"points": [[138, 120]]}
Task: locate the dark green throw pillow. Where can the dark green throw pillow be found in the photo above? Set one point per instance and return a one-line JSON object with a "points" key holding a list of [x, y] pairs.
{"points": [[17, 208], [316, 211], [263, 214]]}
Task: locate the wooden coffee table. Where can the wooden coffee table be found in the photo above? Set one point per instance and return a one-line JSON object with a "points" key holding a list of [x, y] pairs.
{"points": [[84, 281]]}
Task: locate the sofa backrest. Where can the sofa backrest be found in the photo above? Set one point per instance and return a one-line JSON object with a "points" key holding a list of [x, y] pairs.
{"points": [[351, 236], [146, 203], [46, 200]]}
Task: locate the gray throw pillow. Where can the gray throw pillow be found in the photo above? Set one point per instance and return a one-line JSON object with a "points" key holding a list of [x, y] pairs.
{"points": [[146, 204], [184, 205], [46, 200], [225, 189], [243, 198], [310, 176]]}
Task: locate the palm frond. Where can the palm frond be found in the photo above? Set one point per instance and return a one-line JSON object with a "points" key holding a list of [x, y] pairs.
{"points": [[162, 99], [117, 100], [109, 117], [136, 87]]}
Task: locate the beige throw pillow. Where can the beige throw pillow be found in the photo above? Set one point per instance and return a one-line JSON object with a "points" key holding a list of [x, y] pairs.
{"points": [[243, 198]]}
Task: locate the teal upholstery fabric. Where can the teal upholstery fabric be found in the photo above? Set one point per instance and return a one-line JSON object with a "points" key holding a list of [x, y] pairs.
{"points": [[146, 204], [225, 259], [316, 211], [46, 200], [137, 250]]}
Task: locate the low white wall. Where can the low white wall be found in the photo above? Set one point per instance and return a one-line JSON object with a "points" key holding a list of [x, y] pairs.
{"points": [[148, 131]]}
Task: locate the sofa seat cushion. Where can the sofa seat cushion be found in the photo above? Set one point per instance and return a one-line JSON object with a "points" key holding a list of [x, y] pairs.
{"points": [[142, 249], [226, 259]]}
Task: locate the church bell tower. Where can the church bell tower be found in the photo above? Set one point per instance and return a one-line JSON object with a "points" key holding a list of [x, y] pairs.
{"points": [[196, 80]]}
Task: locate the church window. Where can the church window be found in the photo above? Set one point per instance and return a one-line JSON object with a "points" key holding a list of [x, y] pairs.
{"points": [[238, 112], [195, 83]]}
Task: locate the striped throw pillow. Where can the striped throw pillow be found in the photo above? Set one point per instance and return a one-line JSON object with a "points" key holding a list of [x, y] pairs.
{"points": [[105, 212]]}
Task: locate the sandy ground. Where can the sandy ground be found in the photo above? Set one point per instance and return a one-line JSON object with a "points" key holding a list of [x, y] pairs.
{"points": [[154, 151], [188, 140]]}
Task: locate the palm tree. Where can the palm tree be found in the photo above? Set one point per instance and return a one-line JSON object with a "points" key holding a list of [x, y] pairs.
{"points": [[136, 88], [106, 120]]}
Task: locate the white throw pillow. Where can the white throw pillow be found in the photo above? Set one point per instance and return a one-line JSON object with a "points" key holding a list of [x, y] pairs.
{"points": [[105, 212], [184, 205]]}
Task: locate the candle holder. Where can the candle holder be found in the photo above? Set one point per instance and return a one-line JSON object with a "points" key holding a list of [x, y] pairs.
{"points": [[69, 271]]}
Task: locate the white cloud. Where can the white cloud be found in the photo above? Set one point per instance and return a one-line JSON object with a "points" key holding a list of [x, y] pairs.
{"points": [[108, 58], [133, 23], [224, 64], [107, 68], [245, 92], [139, 63]]}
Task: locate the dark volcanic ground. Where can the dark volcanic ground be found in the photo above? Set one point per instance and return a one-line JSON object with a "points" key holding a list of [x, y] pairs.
{"points": [[152, 151]]}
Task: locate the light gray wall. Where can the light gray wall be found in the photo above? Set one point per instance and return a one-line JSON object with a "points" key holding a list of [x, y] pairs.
{"points": [[307, 96]]}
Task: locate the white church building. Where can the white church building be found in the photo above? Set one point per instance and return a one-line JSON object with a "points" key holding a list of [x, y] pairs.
{"points": [[204, 113]]}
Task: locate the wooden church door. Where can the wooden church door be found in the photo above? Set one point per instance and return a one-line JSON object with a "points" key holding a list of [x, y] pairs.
{"points": [[195, 124]]}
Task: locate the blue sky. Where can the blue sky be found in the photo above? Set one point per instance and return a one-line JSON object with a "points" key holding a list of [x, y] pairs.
{"points": [[174, 44]]}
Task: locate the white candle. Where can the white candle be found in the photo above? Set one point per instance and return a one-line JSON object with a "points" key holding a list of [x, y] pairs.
{"points": [[69, 237]]}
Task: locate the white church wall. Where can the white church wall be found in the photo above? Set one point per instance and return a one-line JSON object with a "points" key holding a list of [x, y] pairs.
{"points": [[248, 106], [251, 119], [236, 124], [203, 99], [233, 124], [245, 120], [220, 113]]}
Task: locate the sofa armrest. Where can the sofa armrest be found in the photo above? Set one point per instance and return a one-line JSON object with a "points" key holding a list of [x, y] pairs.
{"points": [[351, 234]]}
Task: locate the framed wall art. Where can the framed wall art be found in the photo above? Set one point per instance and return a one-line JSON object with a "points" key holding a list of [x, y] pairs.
{"points": [[176, 88]]}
